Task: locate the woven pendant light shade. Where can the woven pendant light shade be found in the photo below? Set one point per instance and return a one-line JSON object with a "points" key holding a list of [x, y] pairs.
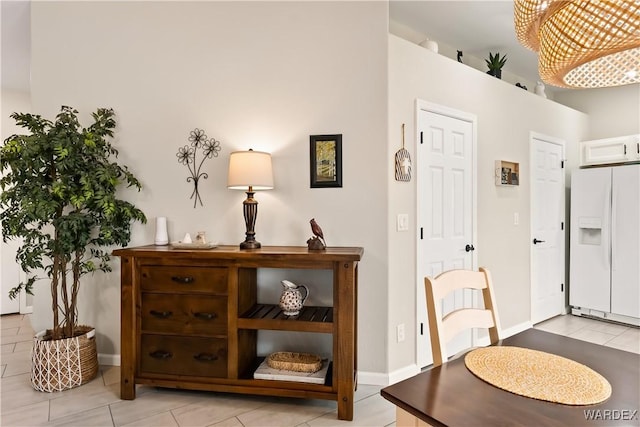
{"points": [[582, 43]]}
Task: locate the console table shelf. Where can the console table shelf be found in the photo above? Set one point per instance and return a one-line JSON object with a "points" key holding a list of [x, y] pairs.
{"points": [[269, 316], [190, 319]]}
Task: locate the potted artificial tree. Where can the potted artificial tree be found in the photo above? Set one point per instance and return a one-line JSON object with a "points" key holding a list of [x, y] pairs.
{"points": [[58, 196], [495, 64]]}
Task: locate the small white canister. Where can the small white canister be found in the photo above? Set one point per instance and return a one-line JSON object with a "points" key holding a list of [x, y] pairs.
{"points": [[162, 237]]}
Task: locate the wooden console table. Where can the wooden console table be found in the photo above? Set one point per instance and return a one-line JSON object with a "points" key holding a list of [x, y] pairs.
{"points": [[190, 319]]}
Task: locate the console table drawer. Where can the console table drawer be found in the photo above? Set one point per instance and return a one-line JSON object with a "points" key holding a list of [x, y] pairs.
{"points": [[184, 314], [204, 357], [183, 279]]}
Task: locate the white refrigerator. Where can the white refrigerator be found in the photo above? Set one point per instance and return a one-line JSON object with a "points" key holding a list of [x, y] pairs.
{"points": [[604, 269]]}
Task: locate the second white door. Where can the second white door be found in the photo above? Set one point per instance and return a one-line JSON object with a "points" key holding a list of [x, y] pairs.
{"points": [[547, 228]]}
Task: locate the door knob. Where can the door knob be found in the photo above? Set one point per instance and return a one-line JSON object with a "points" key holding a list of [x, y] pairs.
{"points": [[469, 248], [536, 241]]}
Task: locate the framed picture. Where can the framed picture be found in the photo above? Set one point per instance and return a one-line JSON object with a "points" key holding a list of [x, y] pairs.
{"points": [[326, 161]]}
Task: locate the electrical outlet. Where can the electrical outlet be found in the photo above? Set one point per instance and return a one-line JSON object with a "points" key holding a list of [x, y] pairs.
{"points": [[400, 332], [402, 222]]}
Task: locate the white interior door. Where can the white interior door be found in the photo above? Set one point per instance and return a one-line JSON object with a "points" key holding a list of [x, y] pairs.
{"points": [[446, 211], [10, 275], [9, 278], [547, 228]]}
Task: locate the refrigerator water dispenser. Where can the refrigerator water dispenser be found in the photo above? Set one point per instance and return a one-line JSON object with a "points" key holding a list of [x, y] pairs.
{"points": [[590, 230]]}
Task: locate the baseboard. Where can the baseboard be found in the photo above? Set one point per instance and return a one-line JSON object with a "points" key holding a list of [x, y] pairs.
{"points": [[372, 378], [506, 333], [376, 378], [403, 373], [109, 359], [516, 329]]}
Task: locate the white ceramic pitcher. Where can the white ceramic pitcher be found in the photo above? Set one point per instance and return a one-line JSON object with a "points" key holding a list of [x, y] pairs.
{"points": [[291, 300]]}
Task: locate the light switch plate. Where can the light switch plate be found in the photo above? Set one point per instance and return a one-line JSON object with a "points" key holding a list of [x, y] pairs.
{"points": [[402, 222]]}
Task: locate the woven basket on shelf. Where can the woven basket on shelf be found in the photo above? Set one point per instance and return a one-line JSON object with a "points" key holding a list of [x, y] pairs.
{"points": [[297, 362], [63, 364]]}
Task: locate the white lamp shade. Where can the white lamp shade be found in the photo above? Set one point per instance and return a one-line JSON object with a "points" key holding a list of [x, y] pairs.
{"points": [[250, 168]]}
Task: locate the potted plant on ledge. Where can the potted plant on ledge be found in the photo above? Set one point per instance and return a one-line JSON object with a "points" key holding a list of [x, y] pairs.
{"points": [[58, 196], [495, 64]]}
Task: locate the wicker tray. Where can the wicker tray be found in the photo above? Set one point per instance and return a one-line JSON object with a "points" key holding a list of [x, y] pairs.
{"points": [[193, 245], [297, 362]]}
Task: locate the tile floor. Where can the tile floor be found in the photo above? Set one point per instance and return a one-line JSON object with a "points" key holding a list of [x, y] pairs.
{"points": [[97, 403]]}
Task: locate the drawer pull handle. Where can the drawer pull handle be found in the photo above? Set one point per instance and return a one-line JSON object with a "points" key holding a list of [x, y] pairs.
{"points": [[206, 357], [160, 314], [183, 279], [160, 354], [205, 316]]}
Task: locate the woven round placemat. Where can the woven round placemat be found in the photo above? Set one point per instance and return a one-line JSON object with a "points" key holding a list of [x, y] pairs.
{"points": [[538, 375]]}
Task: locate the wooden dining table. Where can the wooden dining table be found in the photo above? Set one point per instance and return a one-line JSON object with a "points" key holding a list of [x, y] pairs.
{"points": [[450, 395]]}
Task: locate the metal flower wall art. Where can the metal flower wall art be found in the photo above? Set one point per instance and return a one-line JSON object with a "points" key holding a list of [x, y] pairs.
{"points": [[188, 156]]}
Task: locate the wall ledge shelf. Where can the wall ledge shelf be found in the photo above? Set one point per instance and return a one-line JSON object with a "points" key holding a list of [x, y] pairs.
{"points": [[507, 173]]}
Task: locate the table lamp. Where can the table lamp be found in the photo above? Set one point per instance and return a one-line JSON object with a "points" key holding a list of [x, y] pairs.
{"points": [[250, 171]]}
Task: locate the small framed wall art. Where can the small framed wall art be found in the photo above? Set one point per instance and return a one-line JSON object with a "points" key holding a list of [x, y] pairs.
{"points": [[326, 161], [507, 173]]}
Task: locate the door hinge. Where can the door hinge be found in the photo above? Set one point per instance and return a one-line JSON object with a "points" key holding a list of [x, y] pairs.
{"points": [[421, 328], [421, 233], [562, 225], [561, 287], [421, 137], [562, 164]]}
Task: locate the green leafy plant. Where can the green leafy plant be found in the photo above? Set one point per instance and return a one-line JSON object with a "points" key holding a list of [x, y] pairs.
{"points": [[495, 62], [59, 188]]}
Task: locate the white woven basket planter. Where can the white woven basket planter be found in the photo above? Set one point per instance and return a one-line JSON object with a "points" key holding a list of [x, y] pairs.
{"points": [[58, 365]]}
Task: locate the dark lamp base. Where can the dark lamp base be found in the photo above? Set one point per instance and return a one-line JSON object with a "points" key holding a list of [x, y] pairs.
{"points": [[250, 245]]}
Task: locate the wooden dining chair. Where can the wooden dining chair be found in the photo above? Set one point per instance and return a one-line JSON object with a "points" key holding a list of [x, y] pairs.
{"points": [[443, 329]]}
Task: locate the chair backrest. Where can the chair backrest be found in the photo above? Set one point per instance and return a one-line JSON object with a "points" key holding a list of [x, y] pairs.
{"points": [[443, 329]]}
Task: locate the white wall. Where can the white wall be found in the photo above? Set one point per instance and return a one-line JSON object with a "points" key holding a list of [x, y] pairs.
{"points": [[613, 111], [444, 49], [262, 75], [506, 116], [266, 76]]}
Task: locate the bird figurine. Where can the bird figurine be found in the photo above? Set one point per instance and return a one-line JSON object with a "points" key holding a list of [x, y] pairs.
{"points": [[315, 228], [318, 241]]}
